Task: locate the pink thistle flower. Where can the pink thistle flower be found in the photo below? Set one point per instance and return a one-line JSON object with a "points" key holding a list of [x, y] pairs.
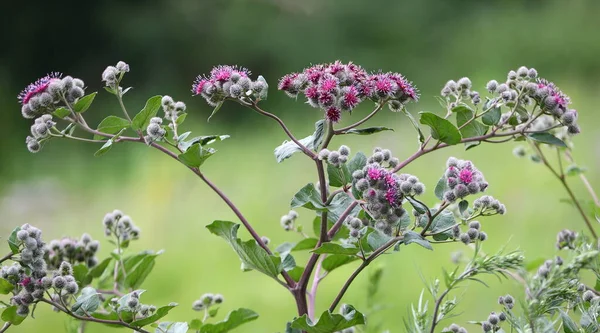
{"points": [[199, 85], [333, 114], [328, 84], [285, 83], [224, 72], [350, 98], [311, 92], [37, 87], [466, 176], [25, 281], [374, 173]]}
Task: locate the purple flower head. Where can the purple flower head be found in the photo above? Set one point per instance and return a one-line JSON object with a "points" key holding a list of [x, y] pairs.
{"points": [[463, 178], [224, 72], [37, 87], [334, 114], [374, 173], [466, 176], [200, 85]]}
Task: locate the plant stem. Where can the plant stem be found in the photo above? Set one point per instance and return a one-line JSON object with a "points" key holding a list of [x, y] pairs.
{"points": [[328, 136], [6, 257], [369, 116], [312, 296], [584, 179], [338, 224], [5, 327], [92, 319]]}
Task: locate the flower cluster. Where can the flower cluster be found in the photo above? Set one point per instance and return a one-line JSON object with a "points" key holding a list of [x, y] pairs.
{"points": [[206, 301], [112, 75], [473, 234], [384, 191], [507, 301], [462, 179], [336, 157], [287, 220], [227, 81], [73, 251], [566, 239], [492, 324], [356, 226], [132, 304], [488, 205], [154, 130], [121, 226], [39, 131], [461, 90], [545, 269], [172, 109], [47, 93], [337, 87], [32, 251], [454, 328]]}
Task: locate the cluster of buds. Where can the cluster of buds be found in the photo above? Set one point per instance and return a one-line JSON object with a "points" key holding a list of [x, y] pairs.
{"points": [[112, 75], [548, 265], [473, 234], [488, 205], [461, 90], [134, 305], [47, 94], [227, 81], [33, 250], [566, 239], [287, 220], [154, 130], [492, 324], [171, 108], [206, 301], [121, 226], [590, 296], [337, 87], [384, 191], [336, 158], [356, 227], [507, 301], [72, 250], [462, 179], [39, 131], [63, 281], [454, 328]]}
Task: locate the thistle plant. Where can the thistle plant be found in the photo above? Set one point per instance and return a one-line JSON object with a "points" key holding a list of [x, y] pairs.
{"points": [[361, 205]]}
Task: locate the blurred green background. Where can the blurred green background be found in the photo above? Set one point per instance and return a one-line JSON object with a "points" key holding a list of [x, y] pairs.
{"points": [[65, 191]]}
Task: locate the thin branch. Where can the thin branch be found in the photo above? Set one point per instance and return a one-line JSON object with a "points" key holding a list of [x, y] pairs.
{"points": [[338, 224], [5, 327], [312, 296], [369, 116], [6, 257], [584, 179]]}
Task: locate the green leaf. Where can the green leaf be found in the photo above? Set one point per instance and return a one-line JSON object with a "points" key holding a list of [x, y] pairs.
{"points": [[312, 142], [341, 234], [547, 138], [413, 237], [377, 239], [441, 129], [196, 155], [251, 255], [84, 103], [169, 327], [305, 244], [338, 177], [415, 124], [296, 273], [333, 248], [195, 324], [419, 207], [99, 269], [80, 273], [142, 119], [87, 302], [111, 125], [574, 170], [13, 242], [123, 306], [136, 277], [10, 315], [61, 112], [104, 149], [368, 131], [339, 204], [233, 320], [160, 313], [356, 163], [462, 206], [473, 128], [308, 197], [443, 221], [180, 119], [201, 140], [329, 322], [492, 117], [288, 262], [569, 325], [440, 188], [6, 287], [215, 110], [337, 260]]}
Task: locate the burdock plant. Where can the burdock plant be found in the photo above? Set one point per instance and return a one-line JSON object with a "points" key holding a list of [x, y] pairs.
{"points": [[362, 205]]}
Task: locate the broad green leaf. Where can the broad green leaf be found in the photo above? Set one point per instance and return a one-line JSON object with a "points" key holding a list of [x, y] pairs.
{"points": [[180, 119], [136, 277], [441, 129], [105, 148], [233, 320], [80, 273], [338, 177], [473, 128], [546, 138], [330, 322], [356, 163], [169, 327], [61, 112], [574, 170], [160, 313], [305, 244], [492, 117], [196, 155], [13, 242], [443, 221], [312, 142], [404, 221], [377, 239], [415, 124], [201, 140], [333, 248], [251, 255], [337, 260], [308, 197], [84, 103], [288, 262], [419, 207], [569, 325], [296, 273], [440, 188], [368, 131], [87, 302], [215, 110], [142, 119], [413, 237], [132, 262], [122, 302], [10, 315], [339, 204], [195, 324], [111, 125], [6, 287], [99, 269], [463, 205]]}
